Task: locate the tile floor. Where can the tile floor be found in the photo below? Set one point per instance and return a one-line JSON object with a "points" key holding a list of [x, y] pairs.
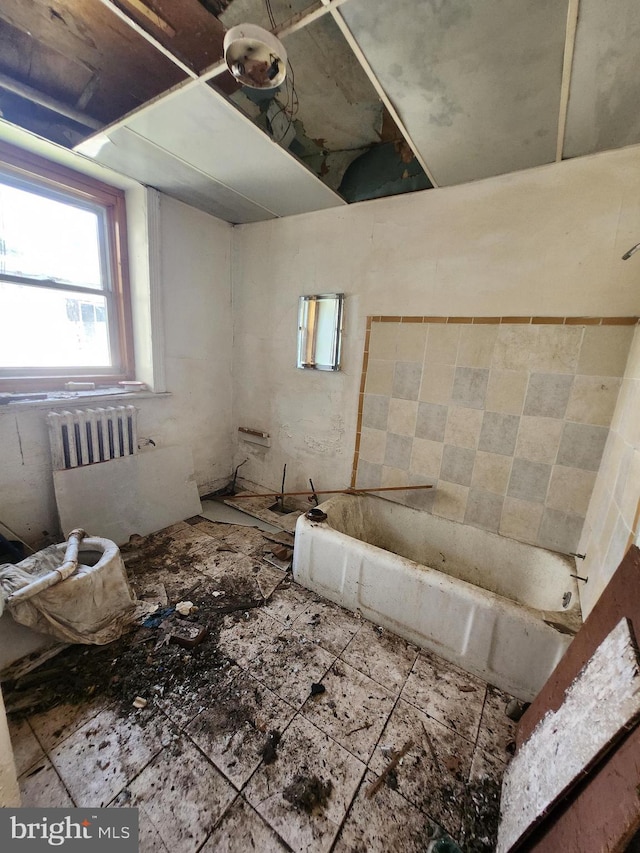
{"points": [[196, 761]]}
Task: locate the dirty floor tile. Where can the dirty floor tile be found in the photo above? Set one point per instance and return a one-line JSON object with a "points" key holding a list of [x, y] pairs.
{"points": [[241, 727], [384, 822], [185, 702], [228, 563], [183, 795], [53, 726], [242, 830], [149, 838], [26, 748], [381, 655], [243, 639], [481, 806], [286, 605], [497, 731], [246, 540], [215, 712], [41, 786], [98, 760], [352, 710], [242, 577], [328, 625], [290, 665], [446, 693], [305, 794], [205, 557], [435, 768]]}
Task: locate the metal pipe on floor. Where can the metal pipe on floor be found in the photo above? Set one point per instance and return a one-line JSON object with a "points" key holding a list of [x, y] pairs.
{"points": [[354, 491]]}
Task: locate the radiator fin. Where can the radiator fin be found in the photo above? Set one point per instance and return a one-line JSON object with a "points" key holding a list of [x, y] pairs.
{"points": [[89, 436]]}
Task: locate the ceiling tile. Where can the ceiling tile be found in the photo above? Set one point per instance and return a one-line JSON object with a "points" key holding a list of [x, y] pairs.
{"points": [[477, 85], [605, 84]]}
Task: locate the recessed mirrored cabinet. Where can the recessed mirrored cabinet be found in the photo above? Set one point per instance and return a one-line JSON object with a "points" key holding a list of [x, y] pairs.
{"points": [[320, 331]]}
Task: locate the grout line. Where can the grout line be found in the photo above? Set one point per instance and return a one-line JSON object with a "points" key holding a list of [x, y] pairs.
{"points": [[477, 738], [221, 818], [48, 758], [58, 743]]}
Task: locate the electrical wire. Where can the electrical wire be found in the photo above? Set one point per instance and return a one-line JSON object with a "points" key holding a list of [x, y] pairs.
{"points": [[270, 13], [292, 103]]}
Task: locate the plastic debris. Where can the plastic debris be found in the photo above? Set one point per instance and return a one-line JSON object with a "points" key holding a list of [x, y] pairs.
{"points": [[158, 617], [184, 608], [139, 702]]}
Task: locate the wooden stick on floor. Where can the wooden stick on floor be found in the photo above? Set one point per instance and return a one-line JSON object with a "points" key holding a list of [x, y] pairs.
{"points": [[374, 786]]}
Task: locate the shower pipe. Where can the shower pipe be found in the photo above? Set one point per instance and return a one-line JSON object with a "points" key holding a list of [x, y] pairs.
{"points": [[67, 568]]}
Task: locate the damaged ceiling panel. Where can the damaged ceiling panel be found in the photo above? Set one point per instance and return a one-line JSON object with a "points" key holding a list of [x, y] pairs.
{"points": [[477, 85], [605, 83], [327, 113], [380, 98], [163, 145]]}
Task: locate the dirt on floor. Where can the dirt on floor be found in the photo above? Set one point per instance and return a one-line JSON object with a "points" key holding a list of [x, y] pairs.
{"points": [[144, 661], [310, 794]]}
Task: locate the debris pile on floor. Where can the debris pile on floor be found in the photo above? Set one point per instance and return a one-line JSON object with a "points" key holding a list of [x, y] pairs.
{"points": [[174, 644], [288, 696], [480, 817], [308, 793]]}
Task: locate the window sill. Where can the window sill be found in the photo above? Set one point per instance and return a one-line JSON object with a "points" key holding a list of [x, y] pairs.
{"points": [[65, 399]]}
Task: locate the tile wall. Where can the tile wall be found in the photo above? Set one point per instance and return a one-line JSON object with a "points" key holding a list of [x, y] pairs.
{"points": [[507, 417], [613, 518]]}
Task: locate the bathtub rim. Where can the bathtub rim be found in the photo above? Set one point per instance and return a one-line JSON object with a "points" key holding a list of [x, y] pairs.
{"points": [[566, 621]]}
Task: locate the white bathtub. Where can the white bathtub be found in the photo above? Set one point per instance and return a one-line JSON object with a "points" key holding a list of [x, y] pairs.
{"points": [[479, 600]]}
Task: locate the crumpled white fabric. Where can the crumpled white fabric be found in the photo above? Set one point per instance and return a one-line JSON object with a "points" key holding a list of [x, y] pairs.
{"points": [[93, 606]]}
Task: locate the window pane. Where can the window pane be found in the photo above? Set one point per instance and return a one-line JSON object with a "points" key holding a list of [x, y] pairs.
{"points": [[42, 327], [44, 238]]}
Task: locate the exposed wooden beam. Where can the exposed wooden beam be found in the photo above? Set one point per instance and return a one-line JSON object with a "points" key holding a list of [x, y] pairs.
{"points": [[36, 97], [148, 37], [368, 70], [88, 92], [567, 67], [152, 17]]}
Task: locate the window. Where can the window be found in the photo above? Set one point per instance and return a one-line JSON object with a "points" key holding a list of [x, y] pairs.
{"points": [[64, 299]]}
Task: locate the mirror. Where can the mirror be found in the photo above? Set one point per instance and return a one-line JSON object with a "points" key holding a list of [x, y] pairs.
{"points": [[320, 331]]}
